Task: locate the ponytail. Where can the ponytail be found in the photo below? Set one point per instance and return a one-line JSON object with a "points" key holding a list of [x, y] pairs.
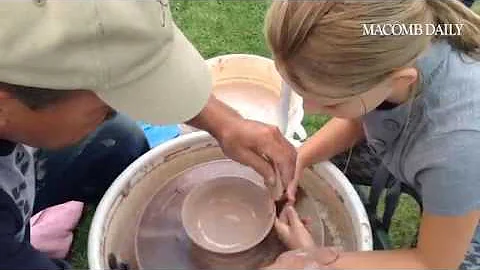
{"points": [[454, 12], [293, 21]]}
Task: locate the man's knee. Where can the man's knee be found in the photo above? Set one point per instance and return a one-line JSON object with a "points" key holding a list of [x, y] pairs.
{"points": [[121, 131]]}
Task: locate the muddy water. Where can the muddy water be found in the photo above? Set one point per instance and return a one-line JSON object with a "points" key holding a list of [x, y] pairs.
{"points": [[251, 100]]}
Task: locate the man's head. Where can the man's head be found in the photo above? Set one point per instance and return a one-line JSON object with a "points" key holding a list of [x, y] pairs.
{"points": [[129, 54], [49, 118]]}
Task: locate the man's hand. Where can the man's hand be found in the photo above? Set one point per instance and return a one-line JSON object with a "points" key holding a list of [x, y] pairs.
{"points": [[292, 231], [252, 143], [263, 148]]}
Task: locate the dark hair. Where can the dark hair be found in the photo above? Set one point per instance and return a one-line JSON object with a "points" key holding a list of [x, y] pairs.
{"points": [[33, 97]]}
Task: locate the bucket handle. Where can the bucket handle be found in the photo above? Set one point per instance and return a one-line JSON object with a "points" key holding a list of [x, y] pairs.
{"points": [[300, 132]]}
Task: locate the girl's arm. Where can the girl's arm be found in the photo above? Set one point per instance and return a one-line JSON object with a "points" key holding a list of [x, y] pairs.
{"points": [[443, 243], [333, 138]]}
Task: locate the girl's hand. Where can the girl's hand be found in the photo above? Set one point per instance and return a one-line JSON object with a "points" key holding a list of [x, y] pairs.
{"points": [[313, 258], [293, 185], [294, 259], [292, 231]]}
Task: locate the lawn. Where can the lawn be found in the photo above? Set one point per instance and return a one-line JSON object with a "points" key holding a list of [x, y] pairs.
{"points": [[223, 27]]}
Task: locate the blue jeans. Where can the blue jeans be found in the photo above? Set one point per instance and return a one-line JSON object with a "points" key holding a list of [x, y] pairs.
{"points": [[83, 172]]}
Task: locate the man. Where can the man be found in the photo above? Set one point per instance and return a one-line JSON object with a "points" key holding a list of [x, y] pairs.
{"points": [[125, 56]]}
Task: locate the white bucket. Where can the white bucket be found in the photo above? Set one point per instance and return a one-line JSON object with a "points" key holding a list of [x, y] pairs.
{"points": [[113, 227], [261, 79]]}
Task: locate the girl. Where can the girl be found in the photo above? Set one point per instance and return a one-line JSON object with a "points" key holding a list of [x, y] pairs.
{"points": [[413, 98]]}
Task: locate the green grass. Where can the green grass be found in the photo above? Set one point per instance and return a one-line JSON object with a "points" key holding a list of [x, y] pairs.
{"points": [[224, 27], [405, 221], [313, 122], [476, 7], [79, 250]]}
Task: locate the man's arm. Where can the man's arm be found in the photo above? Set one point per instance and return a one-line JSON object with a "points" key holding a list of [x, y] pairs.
{"points": [[214, 118], [252, 143]]}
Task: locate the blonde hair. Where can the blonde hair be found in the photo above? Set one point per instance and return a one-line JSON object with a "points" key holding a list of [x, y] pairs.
{"points": [[323, 41]]}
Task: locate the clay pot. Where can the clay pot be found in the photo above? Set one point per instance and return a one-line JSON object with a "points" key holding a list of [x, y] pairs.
{"points": [[228, 214]]}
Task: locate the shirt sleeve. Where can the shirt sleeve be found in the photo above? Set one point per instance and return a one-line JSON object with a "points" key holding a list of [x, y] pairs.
{"points": [[447, 169], [13, 253]]}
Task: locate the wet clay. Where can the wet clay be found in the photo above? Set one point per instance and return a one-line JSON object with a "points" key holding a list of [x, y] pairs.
{"points": [[251, 100], [228, 214], [162, 243]]}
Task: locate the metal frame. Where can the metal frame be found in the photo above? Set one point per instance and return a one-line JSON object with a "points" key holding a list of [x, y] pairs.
{"points": [[384, 181]]}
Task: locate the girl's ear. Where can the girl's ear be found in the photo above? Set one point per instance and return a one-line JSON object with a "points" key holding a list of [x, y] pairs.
{"points": [[403, 78]]}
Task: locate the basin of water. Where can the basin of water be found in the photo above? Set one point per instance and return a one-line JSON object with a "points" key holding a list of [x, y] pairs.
{"points": [[124, 231]]}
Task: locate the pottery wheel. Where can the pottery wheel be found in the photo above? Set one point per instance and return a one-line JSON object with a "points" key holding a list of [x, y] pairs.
{"points": [[162, 243]]}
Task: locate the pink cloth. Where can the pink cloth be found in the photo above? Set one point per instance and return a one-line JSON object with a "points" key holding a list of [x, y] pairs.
{"points": [[51, 229]]}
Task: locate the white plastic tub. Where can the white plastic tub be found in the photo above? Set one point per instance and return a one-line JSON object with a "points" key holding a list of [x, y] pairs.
{"points": [[113, 228]]}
